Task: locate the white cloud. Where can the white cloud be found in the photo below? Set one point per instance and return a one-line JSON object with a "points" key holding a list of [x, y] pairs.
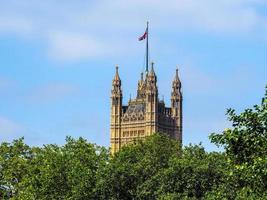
{"points": [[79, 30], [74, 46], [222, 16], [53, 92], [15, 25]]}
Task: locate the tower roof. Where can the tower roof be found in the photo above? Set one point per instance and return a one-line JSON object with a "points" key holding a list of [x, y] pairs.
{"points": [[152, 72], [117, 77], [176, 78], [116, 80]]}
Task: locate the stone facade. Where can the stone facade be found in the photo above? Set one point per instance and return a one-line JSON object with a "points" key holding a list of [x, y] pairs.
{"points": [[146, 114]]}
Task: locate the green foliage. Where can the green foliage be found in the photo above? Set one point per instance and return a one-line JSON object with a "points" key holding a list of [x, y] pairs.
{"points": [[52, 172], [155, 168], [67, 172], [130, 169], [192, 175], [14, 164], [246, 149]]}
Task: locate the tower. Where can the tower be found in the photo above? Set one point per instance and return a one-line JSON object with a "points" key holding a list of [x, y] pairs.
{"points": [[176, 106], [145, 114], [116, 112], [151, 97]]}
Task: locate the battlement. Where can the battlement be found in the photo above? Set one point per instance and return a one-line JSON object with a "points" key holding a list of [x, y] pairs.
{"points": [[144, 115]]}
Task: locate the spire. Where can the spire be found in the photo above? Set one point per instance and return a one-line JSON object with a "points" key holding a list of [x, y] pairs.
{"points": [[176, 80], [141, 81], [117, 77], [151, 81], [176, 86], [176, 75], [141, 87], [177, 106], [152, 72]]}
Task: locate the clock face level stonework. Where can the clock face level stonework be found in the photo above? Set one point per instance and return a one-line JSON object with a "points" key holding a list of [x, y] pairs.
{"points": [[146, 114]]}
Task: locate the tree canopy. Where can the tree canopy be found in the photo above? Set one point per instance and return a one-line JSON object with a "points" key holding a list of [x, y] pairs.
{"points": [[155, 168]]}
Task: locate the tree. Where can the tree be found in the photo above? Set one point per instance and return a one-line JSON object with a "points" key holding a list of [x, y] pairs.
{"points": [[246, 149], [154, 168], [14, 165], [193, 175], [67, 172], [158, 168], [130, 168]]}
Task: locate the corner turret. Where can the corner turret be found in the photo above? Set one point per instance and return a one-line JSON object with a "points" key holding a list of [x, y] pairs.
{"points": [[176, 106], [116, 111], [151, 101]]}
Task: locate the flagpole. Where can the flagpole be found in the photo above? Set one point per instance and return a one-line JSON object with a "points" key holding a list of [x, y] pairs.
{"points": [[147, 48]]}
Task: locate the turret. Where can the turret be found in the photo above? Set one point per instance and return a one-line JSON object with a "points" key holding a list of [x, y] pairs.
{"points": [[141, 90], [116, 111], [116, 92], [151, 100], [176, 106]]}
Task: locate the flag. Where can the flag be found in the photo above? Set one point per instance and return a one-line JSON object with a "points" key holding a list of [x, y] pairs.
{"points": [[143, 36]]}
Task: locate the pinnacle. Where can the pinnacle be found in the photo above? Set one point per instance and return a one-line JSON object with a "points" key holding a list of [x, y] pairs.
{"points": [[117, 77], [152, 72]]}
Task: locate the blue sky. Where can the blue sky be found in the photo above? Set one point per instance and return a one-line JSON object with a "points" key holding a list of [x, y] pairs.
{"points": [[57, 61]]}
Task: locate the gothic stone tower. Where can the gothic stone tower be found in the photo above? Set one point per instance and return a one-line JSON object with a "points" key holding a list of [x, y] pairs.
{"points": [[146, 114]]}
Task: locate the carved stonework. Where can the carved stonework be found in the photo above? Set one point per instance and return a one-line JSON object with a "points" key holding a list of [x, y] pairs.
{"points": [[144, 115]]}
